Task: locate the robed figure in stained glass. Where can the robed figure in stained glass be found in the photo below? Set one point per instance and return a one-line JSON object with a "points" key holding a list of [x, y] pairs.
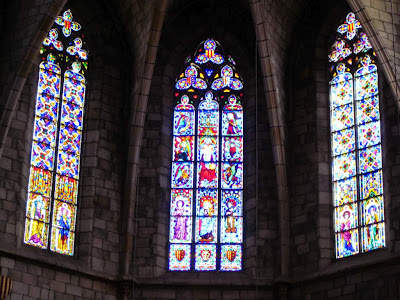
{"points": [[230, 214], [180, 228], [64, 223]]}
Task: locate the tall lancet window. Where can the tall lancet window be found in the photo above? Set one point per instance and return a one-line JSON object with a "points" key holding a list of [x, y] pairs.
{"points": [[57, 135], [206, 208], [356, 142]]}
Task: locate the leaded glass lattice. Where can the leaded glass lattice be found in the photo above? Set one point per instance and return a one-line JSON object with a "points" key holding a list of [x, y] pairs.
{"points": [[206, 208], [356, 142], [57, 136]]}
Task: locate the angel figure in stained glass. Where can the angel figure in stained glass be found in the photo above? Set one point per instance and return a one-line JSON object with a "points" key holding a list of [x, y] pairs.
{"points": [[183, 124], [180, 228], [182, 175], [183, 152], [230, 216], [347, 236], [64, 222]]}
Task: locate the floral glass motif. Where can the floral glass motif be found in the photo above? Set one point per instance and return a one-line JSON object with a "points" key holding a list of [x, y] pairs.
{"points": [[56, 146], [356, 142], [207, 163]]}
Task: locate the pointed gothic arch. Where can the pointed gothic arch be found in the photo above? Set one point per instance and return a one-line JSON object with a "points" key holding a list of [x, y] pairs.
{"points": [[206, 233], [57, 136], [358, 198]]}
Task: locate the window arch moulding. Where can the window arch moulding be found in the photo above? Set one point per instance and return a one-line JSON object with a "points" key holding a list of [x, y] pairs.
{"points": [[56, 148], [358, 199]]}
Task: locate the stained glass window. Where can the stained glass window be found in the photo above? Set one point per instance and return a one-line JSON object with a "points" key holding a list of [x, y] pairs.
{"points": [[206, 206], [356, 142], [56, 148]]}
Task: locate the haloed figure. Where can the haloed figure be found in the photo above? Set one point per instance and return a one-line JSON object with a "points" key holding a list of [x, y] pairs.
{"points": [[180, 228], [37, 227], [64, 222], [206, 223], [230, 216], [346, 225]]}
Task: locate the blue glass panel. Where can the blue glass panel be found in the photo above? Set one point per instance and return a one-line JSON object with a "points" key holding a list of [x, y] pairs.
{"points": [[343, 141], [368, 110], [47, 107], [68, 164], [71, 115], [70, 139], [342, 117], [370, 159], [42, 156], [369, 134], [366, 85], [344, 166], [342, 92], [45, 131]]}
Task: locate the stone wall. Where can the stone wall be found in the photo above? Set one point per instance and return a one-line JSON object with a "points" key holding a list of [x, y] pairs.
{"points": [[41, 281]]}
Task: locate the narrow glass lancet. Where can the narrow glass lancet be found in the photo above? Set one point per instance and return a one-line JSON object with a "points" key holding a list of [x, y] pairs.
{"points": [[206, 209], [356, 143], [56, 148]]}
